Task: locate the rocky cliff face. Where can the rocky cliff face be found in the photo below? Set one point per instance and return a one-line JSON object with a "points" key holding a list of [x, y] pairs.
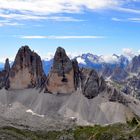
{"points": [[128, 78], [119, 74], [4, 75], [92, 84], [106, 70], [27, 71], [61, 78], [134, 66], [132, 86], [7, 65], [66, 77]]}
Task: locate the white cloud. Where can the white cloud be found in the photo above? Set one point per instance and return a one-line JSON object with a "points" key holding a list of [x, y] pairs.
{"points": [[64, 18], [128, 10], [47, 9], [55, 6], [42, 9], [9, 23], [48, 56], [109, 58], [38, 17], [72, 55], [117, 19], [21, 16], [62, 37], [33, 37], [129, 52], [132, 19], [11, 59]]}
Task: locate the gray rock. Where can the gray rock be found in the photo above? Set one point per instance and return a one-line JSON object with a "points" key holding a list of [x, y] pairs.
{"points": [[7, 65], [134, 66], [61, 64], [4, 81], [116, 96], [77, 76], [91, 85], [27, 70], [119, 74], [63, 76], [66, 77]]}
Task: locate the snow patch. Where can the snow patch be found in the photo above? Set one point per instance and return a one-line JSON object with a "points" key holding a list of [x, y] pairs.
{"points": [[81, 61], [33, 113]]}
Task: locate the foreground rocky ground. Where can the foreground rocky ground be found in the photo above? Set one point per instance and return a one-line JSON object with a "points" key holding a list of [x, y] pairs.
{"points": [[129, 131], [42, 111]]}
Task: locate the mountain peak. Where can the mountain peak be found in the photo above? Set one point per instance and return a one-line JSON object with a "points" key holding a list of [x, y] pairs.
{"points": [[63, 73], [26, 47], [60, 49], [7, 65], [27, 70], [61, 61], [134, 66]]}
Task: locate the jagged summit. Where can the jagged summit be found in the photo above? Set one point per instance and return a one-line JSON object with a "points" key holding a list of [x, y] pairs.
{"points": [[27, 70], [60, 50], [25, 47], [4, 75], [7, 65], [134, 66], [61, 64], [66, 77], [61, 76]]}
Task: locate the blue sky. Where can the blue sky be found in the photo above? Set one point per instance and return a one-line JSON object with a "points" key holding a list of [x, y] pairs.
{"points": [[101, 27]]}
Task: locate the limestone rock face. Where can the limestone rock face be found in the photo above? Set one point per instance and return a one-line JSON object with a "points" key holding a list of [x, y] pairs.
{"points": [[77, 74], [4, 82], [106, 70], [134, 66], [66, 77], [116, 96], [61, 77], [7, 65], [119, 74], [92, 84], [132, 86], [27, 71]]}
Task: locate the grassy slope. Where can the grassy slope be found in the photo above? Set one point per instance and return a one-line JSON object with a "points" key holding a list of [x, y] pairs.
{"points": [[110, 132]]}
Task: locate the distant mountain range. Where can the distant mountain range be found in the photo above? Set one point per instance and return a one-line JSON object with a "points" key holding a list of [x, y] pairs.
{"points": [[114, 68], [90, 61], [104, 65]]}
